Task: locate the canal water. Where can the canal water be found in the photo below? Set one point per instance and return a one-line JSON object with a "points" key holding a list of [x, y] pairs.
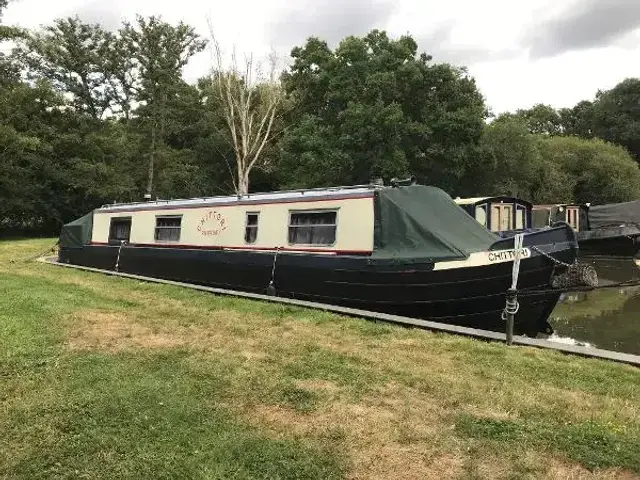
{"points": [[607, 318]]}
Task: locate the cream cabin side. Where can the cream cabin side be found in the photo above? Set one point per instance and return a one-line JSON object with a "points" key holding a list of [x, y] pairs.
{"points": [[332, 225]]}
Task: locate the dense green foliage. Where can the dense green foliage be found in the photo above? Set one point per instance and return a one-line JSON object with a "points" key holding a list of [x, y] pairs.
{"points": [[89, 116], [613, 116], [549, 168], [374, 108]]}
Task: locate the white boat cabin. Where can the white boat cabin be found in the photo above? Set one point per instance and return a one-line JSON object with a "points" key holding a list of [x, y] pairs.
{"points": [[387, 224], [339, 220], [498, 214]]}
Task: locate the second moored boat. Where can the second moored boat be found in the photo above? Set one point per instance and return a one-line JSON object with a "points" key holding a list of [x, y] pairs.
{"points": [[611, 230]]}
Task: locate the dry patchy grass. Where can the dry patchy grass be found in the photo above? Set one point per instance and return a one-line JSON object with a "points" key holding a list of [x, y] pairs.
{"points": [[113, 332]]}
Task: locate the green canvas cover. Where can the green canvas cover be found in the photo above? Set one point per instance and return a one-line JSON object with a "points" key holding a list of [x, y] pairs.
{"points": [[77, 233], [424, 223]]}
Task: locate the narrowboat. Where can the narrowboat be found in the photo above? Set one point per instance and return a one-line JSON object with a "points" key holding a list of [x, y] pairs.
{"points": [[406, 250], [501, 215], [611, 230]]}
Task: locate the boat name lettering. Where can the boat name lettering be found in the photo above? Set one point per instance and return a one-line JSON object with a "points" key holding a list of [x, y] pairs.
{"points": [[212, 223], [508, 255]]}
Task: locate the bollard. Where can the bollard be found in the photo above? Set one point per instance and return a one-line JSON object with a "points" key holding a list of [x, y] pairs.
{"points": [[512, 300]]}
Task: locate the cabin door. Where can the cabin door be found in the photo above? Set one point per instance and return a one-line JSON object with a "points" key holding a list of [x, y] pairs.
{"points": [[520, 218], [501, 217], [573, 218]]}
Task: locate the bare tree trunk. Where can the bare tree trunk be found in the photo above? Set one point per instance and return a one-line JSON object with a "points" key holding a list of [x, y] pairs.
{"points": [[250, 103], [243, 183], [152, 155]]}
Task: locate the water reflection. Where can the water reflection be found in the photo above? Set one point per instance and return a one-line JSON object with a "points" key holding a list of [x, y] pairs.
{"points": [[607, 318]]}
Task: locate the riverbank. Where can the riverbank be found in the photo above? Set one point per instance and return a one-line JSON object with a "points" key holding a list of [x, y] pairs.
{"points": [[110, 377]]}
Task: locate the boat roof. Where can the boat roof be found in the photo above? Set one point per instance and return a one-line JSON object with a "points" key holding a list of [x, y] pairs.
{"points": [[467, 201], [472, 200], [301, 195], [556, 205]]}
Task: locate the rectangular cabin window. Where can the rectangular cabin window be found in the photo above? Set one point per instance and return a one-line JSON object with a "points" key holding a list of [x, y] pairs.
{"points": [[520, 218], [168, 228], [119, 230], [573, 218], [481, 214], [251, 228], [312, 227]]}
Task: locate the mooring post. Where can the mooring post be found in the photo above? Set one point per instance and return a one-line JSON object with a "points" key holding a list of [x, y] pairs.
{"points": [[512, 299]]}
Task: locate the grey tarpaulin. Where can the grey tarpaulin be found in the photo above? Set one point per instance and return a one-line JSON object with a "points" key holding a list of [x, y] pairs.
{"points": [[614, 214]]}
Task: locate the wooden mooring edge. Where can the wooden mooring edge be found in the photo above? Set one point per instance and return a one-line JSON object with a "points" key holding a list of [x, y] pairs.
{"points": [[582, 351]]}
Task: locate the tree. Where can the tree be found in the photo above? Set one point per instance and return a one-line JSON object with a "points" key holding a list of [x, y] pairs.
{"points": [[510, 158], [159, 52], [9, 68], [578, 120], [599, 171], [511, 162], [40, 185], [250, 103], [73, 127], [122, 75], [613, 116], [374, 108], [312, 156], [552, 169], [616, 115], [542, 119], [72, 55]]}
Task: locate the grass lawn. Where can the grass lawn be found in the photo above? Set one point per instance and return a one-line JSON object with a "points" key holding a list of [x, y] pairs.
{"points": [[104, 377]]}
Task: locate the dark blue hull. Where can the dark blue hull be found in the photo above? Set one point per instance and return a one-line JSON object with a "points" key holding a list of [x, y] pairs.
{"points": [[603, 242], [610, 242], [469, 296]]}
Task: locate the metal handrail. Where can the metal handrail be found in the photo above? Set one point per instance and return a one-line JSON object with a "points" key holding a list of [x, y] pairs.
{"points": [[238, 197]]}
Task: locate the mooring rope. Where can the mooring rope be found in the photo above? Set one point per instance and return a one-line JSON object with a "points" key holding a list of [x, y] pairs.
{"points": [[118, 258], [271, 289], [30, 258]]}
